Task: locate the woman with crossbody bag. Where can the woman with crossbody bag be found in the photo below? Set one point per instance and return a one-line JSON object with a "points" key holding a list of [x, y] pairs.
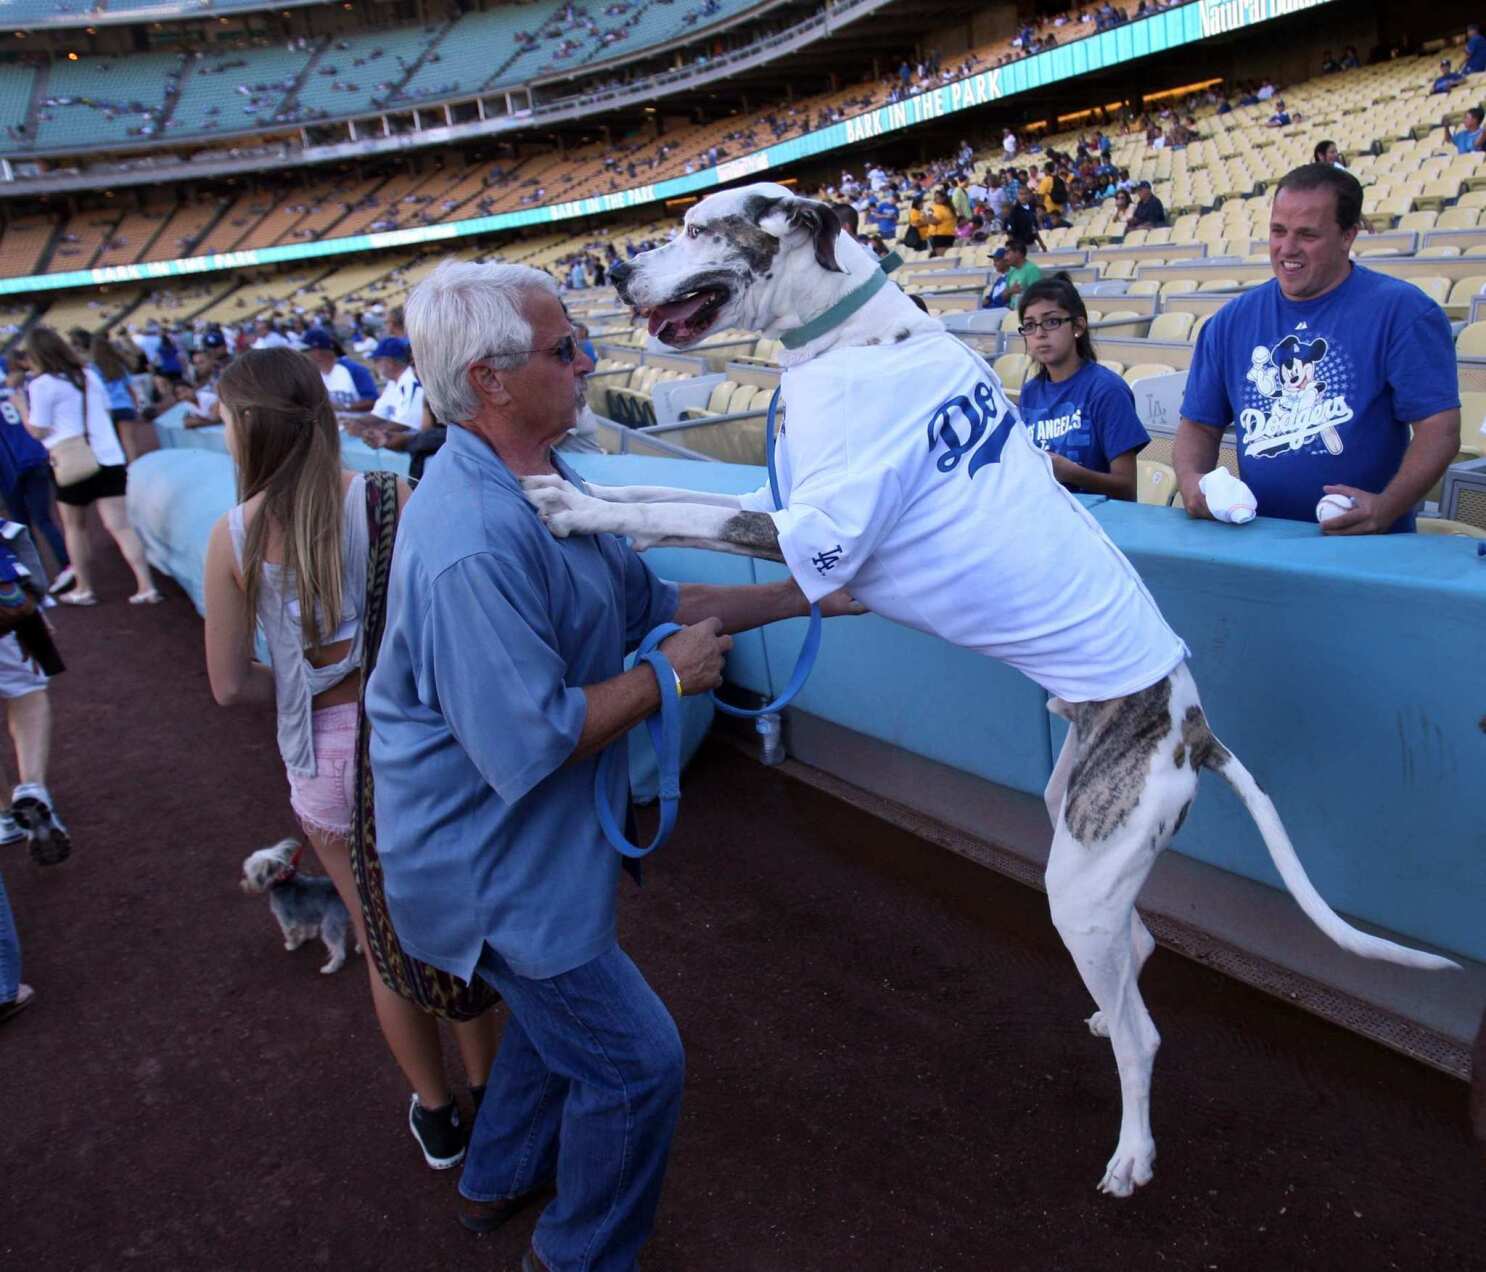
{"points": [[67, 411], [292, 559]]}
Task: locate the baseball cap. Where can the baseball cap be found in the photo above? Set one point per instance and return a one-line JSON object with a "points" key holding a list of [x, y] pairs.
{"points": [[393, 347], [213, 340], [1143, 185], [998, 253], [318, 338]]}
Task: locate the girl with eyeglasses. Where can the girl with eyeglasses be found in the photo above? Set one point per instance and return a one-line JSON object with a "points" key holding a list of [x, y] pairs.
{"points": [[1082, 414]]}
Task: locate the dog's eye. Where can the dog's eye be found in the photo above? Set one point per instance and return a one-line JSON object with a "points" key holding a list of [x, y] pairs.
{"points": [[693, 231]]}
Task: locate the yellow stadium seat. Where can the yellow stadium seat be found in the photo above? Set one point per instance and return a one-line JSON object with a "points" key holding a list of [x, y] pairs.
{"points": [[1441, 250], [1118, 269], [720, 396], [1478, 249], [1122, 315], [1443, 526], [1438, 193], [1145, 370], [1155, 483], [1144, 287], [1011, 323], [1219, 284], [1458, 219], [1173, 285], [1113, 364], [1197, 327], [1437, 289], [1417, 221], [1471, 343], [1011, 368], [1458, 304], [1171, 326]]}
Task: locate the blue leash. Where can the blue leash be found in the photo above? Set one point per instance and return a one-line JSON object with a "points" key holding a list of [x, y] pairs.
{"points": [[665, 726]]}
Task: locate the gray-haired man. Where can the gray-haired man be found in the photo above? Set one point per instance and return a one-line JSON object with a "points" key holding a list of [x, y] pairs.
{"points": [[500, 680]]}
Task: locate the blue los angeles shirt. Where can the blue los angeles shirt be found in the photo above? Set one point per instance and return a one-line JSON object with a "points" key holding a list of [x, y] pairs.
{"points": [[1089, 418], [1322, 392]]}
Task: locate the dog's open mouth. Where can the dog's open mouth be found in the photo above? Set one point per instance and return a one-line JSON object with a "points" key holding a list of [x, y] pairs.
{"points": [[685, 321]]}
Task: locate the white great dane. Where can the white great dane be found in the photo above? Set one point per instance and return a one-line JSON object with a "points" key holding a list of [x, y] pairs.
{"points": [[883, 405]]}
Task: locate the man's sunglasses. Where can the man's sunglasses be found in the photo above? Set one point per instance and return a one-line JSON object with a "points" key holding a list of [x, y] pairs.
{"points": [[565, 350], [1047, 324]]}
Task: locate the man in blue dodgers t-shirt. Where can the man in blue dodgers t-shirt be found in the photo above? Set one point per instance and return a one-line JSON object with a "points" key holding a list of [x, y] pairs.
{"points": [[1324, 371]]}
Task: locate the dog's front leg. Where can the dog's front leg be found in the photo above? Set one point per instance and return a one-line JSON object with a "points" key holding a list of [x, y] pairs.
{"points": [[638, 494], [568, 511]]}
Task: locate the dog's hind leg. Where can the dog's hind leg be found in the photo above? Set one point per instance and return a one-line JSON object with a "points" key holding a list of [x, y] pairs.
{"points": [[1124, 800], [334, 931]]}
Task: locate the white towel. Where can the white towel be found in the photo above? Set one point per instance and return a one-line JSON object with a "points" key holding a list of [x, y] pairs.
{"points": [[1228, 499]]}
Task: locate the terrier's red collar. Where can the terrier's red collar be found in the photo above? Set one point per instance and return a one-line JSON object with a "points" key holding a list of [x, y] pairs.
{"points": [[293, 868]]}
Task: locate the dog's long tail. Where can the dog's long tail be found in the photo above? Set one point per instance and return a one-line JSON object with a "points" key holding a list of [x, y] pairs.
{"points": [[1282, 852]]}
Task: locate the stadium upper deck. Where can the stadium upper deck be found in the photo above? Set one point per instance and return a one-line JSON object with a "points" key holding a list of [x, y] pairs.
{"points": [[60, 101]]}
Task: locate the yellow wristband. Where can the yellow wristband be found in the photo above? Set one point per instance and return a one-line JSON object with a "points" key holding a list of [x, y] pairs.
{"points": [[680, 689]]}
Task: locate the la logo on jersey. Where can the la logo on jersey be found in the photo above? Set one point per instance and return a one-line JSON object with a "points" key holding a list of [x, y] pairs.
{"points": [[1291, 409]]}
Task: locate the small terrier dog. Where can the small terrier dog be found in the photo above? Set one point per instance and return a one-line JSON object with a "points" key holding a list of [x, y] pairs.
{"points": [[306, 906]]}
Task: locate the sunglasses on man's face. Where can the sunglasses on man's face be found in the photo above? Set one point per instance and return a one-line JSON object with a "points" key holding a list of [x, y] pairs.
{"points": [[565, 350]]}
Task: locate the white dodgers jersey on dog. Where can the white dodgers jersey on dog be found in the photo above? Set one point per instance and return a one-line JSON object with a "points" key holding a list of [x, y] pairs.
{"points": [[907, 475]]}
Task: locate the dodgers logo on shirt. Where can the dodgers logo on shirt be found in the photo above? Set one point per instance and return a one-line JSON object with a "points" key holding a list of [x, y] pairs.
{"points": [[1291, 408], [987, 411]]}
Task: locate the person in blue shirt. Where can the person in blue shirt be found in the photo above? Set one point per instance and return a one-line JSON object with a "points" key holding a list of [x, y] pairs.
{"points": [[1082, 414], [1475, 50], [885, 218], [1469, 136], [361, 377], [1337, 379], [1447, 78], [500, 681]]}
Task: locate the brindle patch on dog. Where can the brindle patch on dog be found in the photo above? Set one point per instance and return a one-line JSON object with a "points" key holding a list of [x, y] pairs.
{"points": [[1116, 740], [752, 530], [900, 336], [1205, 750], [758, 247]]}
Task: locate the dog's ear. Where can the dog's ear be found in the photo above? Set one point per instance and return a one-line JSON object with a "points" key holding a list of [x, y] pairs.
{"points": [[780, 216], [823, 225]]}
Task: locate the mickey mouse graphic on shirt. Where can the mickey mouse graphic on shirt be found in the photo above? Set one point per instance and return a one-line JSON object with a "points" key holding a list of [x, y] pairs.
{"points": [[1299, 412]]}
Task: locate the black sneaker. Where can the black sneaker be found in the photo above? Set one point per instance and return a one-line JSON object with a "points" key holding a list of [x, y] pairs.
{"points": [[439, 1133], [50, 843]]}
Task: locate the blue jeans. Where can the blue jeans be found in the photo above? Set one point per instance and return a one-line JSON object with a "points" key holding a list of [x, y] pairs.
{"points": [[586, 1090], [31, 503], [10, 951]]}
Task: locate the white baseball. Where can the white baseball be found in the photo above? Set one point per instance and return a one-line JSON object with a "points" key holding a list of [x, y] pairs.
{"points": [[1333, 506]]}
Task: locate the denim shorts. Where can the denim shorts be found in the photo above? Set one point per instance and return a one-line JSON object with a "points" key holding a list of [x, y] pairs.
{"points": [[327, 801]]}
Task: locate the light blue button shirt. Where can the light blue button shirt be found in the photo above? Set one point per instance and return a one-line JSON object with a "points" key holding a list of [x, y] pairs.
{"points": [[486, 833]]}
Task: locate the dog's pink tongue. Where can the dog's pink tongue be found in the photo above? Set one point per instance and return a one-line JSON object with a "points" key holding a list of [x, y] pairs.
{"points": [[677, 311]]}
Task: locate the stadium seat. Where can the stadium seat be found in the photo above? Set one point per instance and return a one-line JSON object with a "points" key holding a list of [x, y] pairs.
{"points": [[1219, 284], [1118, 269], [1171, 326], [1145, 370], [1443, 526], [1438, 289], [1417, 221], [1144, 287], [1011, 324], [1112, 364], [1155, 483], [1441, 250], [1471, 342], [1472, 415], [1011, 369], [1172, 286], [1458, 218], [1458, 304]]}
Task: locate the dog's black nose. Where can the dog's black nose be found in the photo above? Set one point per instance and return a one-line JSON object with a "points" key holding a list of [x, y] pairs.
{"points": [[619, 273]]}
